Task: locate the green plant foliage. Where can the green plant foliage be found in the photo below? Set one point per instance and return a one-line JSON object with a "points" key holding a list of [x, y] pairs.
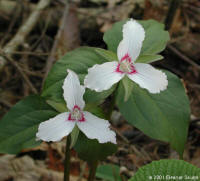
{"points": [[148, 58], [108, 172], [19, 126], [79, 61], [108, 55], [164, 116], [91, 150], [155, 39], [128, 88], [165, 170]]}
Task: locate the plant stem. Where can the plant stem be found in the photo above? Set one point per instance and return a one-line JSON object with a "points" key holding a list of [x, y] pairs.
{"points": [[67, 159], [93, 169]]}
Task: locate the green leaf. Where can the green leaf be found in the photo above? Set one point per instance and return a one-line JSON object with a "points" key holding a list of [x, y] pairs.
{"points": [[108, 55], [128, 87], [167, 170], [91, 150], [74, 136], [148, 58], [79, 61], [164, 116], [155, 41], [60, 107], [108, 172], [19, 126]]}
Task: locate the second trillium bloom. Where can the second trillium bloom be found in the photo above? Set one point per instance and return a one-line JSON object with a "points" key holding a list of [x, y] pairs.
{"points": [[102, 77], [62, 125]]}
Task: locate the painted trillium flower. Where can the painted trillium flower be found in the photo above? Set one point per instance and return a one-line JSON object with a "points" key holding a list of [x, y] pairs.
{"points": [[102, 77], [62, 125]]}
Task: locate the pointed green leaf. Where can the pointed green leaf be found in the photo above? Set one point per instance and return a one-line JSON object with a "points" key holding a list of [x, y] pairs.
{"points": [[148, 58], [164, 116], [91, 150], [60, 107], [108, 172], [74, 136], [155, 41], [128, 87], [19, 126], [79, 61], [108, 55], [167, 170]]}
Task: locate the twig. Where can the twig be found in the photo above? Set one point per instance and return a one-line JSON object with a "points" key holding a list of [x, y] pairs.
{"points": [[6, 103], [16, 12], [25, 29], [132, 147], [83, 166], [174, 4], [26, 79], [183, 57], [51, 58], [121, 136], [27, 53], [197, 86]]}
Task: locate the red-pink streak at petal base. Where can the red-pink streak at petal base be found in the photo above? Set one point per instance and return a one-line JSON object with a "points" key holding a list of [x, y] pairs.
{"points": [[82, 115], [126, 57]]}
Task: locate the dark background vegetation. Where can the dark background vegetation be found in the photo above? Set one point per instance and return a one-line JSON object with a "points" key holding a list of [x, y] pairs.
{"points": [[59, 29]]}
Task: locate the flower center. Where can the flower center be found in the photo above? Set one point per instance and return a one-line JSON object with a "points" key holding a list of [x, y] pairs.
{"points": [[76, 114], [126, 66]]}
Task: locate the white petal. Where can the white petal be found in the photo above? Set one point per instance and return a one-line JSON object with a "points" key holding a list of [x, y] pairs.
{"points": [[96, 128], [55, 128], [73, 91], [149, 78], [102, 77], [131, 44]]}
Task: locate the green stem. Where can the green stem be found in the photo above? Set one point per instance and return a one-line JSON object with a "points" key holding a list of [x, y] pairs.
{"points": [[67, 159], [93, 169]]}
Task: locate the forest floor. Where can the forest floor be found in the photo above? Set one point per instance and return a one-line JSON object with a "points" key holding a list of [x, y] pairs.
{"points": [[57, 32]]}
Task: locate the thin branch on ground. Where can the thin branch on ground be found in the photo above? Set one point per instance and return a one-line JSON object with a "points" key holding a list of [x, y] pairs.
{"points": [[51, 58], [24, 30], [26, 53], [183, 57], [174, 5], [26, 79]]}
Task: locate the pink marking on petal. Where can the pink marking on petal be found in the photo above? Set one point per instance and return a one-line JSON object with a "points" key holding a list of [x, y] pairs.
{"points": [[82, 115], [118, 69], [133, 71], [70, 118], [82, 118], [126, 57], [76, 107]]}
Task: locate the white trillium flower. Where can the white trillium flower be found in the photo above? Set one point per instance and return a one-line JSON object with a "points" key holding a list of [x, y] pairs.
{"points": [[62, 125], [102, 77]]}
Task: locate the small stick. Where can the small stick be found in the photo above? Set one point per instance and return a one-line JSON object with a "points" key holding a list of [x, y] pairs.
{"points": [[27, 53], [174, 4], [24, 30], [183, 57], [51, 58], [26, 79]]}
